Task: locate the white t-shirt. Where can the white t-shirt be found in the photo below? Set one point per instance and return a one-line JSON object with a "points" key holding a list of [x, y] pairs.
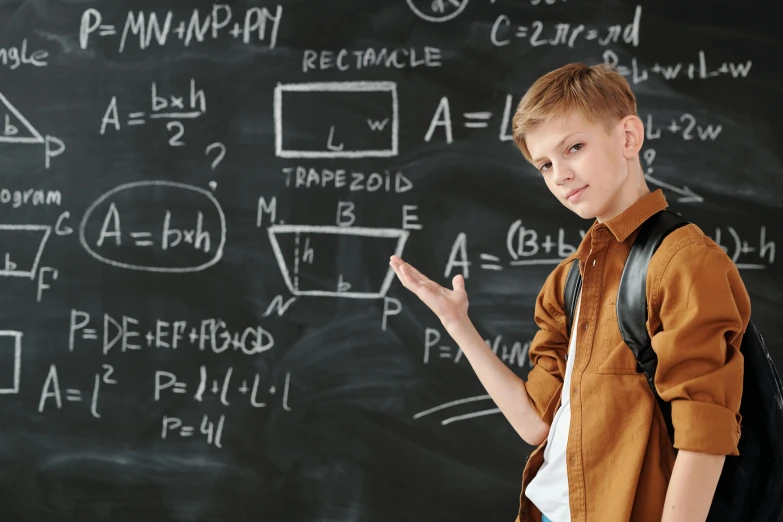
{"points": [[549, 488]]}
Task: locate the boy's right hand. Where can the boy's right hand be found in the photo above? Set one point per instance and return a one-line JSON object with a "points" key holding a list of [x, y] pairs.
{"points": [[451, 306]]}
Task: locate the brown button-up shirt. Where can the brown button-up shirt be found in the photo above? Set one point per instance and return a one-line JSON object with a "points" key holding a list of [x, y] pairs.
{"points": [[619, 456]]}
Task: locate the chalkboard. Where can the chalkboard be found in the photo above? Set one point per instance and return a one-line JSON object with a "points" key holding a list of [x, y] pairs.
{"points": [[197, 206]]}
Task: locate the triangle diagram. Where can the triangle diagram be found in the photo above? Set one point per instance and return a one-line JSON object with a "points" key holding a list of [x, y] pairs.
{"points": [[14, 128]]}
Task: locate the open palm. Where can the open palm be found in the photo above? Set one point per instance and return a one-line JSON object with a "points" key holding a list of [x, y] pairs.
{"points": [[449, 305]]}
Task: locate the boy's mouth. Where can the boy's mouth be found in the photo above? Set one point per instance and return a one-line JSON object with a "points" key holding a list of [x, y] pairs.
{"points": [[574, 194]]}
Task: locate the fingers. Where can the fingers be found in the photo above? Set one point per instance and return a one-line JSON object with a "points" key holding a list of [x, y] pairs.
{"points": [[429, 292], [396, 264], [458, 282], [411, 278], [414, 280], [411, 270], [416, 272]]}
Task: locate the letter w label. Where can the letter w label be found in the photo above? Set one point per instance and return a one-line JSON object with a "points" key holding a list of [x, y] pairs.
{"points": [[377, 125]]}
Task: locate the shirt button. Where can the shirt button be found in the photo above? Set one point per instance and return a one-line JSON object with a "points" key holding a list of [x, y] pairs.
{"points": [[585, 326], [566, 357]]}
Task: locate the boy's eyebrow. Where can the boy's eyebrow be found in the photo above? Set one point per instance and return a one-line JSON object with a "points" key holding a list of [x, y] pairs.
{"points": [[559, 144]]}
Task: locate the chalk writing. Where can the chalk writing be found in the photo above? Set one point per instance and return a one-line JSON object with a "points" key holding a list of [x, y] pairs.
{"points": [[170, 108], [256, 25], [527, 246], [514, 355], [223, 388], [14, 57], [685, 126], [15, 128], [345, 60], [303, 177], [125, 334], [375, 132], [11, 343], [112, 240], [478, 401], [306, 244], [51, 390], [537, 34], [21, 248], [437, 10], [442, 120], [699, 70], [735, 247], [32, 196]]}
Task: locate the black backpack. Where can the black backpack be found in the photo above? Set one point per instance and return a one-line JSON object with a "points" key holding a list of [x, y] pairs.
{"points": [[751, 484]]}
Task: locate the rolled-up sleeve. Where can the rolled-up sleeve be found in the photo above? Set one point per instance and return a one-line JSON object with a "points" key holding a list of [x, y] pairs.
{"points": [[702, 310], [545, 380]]}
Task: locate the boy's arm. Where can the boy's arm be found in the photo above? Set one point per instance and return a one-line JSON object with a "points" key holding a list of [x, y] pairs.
{"points": [[548, 349], [703, 311], [508, 391], [692, 486], [528, 406]]}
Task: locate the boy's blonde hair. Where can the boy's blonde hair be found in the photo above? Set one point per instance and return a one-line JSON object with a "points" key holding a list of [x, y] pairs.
{"points": [[598, 92]]}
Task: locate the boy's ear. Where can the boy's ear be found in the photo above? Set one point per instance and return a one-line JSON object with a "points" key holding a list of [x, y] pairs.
{"points": [[633, 133]]}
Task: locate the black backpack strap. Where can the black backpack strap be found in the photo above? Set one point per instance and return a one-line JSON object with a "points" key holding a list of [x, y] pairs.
{"points": [[571, 294], [632, 299]]}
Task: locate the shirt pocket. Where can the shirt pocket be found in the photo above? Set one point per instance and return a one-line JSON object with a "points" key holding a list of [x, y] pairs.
{"points": [[618, 358], [614, 356]]}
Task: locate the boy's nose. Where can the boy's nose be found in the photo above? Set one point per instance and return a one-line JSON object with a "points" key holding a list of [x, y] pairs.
{"points": [[562, 174]]}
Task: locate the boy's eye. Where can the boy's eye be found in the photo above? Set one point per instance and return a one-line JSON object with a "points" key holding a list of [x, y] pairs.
{"points": [[548, 165]]}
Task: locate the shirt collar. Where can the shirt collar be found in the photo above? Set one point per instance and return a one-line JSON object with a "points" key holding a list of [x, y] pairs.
{"points": [[631, 218]]}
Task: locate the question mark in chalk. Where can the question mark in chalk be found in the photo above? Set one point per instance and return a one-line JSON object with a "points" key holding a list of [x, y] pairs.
{"points": [[217, 160], [649, 156]]}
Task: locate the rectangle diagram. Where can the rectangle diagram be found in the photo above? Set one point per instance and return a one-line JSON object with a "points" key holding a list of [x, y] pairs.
{"points": [[10, 361], [336, 120]]}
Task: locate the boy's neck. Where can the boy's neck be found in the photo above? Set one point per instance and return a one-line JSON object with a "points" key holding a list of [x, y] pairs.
{"points": [[634, 189]]}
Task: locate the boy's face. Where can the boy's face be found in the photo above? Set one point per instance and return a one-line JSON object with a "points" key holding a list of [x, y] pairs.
{"points": [[583, 165]]}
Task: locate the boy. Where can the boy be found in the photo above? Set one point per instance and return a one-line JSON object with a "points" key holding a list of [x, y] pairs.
{"points": [[603, 450]]}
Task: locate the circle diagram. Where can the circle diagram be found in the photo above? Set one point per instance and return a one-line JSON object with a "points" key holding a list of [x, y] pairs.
{"points": [[437, 10]]}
